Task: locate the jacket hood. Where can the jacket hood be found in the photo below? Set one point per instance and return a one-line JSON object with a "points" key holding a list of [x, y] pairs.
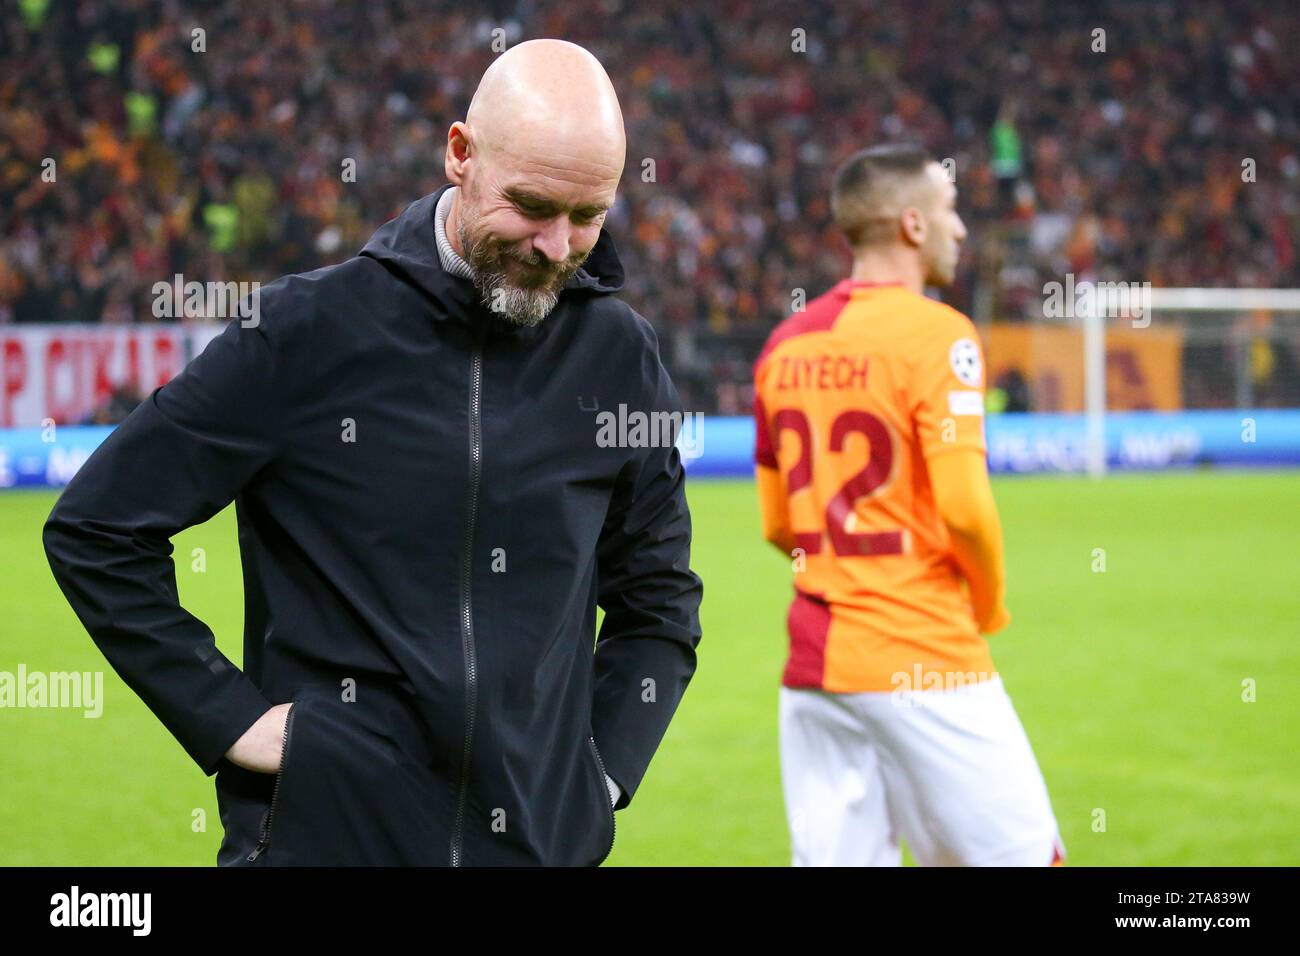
{"points": [[408, 247]]}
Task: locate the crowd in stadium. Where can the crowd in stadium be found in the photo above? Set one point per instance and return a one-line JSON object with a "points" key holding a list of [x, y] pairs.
{"points": [[212, 139]]}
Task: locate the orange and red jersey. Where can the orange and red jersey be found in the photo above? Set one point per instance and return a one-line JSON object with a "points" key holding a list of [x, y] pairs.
{"points": [[851, 398]]}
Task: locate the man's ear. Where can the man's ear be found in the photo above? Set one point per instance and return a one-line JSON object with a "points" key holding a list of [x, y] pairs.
{"points": [[913, 226], [458, 153]]}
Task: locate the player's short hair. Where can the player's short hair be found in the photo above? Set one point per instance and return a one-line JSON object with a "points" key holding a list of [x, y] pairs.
{"points": [[864, 192]]}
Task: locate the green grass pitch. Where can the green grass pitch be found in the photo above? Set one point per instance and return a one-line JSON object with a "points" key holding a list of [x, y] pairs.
{"points": [[1129, 683]]}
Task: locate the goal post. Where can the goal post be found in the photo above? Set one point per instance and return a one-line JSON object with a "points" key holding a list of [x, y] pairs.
{"points": [[1225, 316]]}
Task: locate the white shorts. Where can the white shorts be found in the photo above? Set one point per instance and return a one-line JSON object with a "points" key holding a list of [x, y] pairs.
{"points": [[950, 772]]}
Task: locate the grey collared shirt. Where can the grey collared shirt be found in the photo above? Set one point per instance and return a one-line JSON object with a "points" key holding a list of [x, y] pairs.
{"points": [[446, 254]]}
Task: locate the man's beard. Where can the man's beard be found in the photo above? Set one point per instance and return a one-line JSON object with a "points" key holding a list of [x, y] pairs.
{"points": [[940, 272], [523, 305]]}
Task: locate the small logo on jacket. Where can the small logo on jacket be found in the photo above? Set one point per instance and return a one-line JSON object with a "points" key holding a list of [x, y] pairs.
{"points": [[103, 909], [638, 429]]}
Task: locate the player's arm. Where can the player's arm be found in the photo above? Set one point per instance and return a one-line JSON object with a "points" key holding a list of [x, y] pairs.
{"points": [[773, 507], [949, 417], [964, 498]]}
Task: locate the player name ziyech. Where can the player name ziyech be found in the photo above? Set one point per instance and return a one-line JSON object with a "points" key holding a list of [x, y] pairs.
{"points": [[822, 372], [103, 909]]}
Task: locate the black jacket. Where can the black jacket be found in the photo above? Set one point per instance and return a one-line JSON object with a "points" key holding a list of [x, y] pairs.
{"points": [[427, 523]]}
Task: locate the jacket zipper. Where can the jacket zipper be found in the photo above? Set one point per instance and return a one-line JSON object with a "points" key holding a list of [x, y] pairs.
{"points": [[613, 823], [466, 575], [265, 837]]}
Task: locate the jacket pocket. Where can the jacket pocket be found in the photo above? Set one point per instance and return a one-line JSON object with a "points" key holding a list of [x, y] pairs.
{"points": [[353, 789], [604, 790], [264, 838]]}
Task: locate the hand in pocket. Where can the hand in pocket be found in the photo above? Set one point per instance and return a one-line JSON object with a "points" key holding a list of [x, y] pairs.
{"points": [[261, 747]]}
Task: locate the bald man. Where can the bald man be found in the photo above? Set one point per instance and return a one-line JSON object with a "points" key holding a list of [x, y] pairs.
{"points": [[535, 165], [430, 510]]}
